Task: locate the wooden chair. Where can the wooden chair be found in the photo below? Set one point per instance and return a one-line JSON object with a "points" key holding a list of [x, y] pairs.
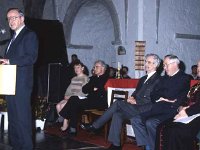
{"points": [[116, 95]]}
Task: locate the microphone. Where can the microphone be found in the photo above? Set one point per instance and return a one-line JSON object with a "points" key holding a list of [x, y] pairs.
{"points": [[2, 31]]}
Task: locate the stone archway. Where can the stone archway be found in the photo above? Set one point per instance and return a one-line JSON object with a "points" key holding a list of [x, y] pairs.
{"points": [[73, 9]]}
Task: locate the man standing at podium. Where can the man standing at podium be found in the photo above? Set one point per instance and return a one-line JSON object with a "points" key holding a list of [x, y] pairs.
{"points": [[21, 51]]}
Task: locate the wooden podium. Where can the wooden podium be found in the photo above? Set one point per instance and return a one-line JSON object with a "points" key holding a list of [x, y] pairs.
{"points": [[7, 79]]}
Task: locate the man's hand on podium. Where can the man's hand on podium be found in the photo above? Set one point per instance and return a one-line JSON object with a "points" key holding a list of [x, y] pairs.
{"points": [[4, 61]]}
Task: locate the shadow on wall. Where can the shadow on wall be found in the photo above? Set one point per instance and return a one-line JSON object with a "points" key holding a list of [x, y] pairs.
{"points": [[182, 66]]}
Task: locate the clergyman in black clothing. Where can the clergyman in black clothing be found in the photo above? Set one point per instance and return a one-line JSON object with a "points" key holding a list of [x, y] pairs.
{"points": [[168, 95], [96, 98], [178, 135], [137, 103]]}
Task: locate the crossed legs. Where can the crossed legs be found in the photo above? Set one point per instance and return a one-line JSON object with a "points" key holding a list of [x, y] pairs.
{"points": [[119, 111]]}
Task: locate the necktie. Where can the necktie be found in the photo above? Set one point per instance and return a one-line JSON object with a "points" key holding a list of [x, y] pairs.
{"points": [[146, 78], [11, 41]]}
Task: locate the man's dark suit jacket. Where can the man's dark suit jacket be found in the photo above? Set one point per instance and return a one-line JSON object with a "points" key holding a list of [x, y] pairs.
{"points": [[23, 53], [174, 87], [143, 90]]}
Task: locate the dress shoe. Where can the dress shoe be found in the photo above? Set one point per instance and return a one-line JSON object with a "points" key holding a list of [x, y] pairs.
{"points": [[113, 147], [63, 131], [88, 127], [71, 133]]}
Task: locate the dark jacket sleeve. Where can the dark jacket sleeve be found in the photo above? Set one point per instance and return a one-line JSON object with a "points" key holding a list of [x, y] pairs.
{"points": [[89, 87], [101, 83], [95, 82], [26, 47], [182, 96], [171, 88], [158, 90]]}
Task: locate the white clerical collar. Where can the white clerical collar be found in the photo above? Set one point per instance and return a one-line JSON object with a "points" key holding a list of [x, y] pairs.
{"points": [[175, 73]]}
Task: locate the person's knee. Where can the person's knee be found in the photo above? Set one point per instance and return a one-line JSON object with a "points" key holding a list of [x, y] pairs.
{"points": [[151, 123], [136, 120], [148, 123], [116, 104], [58, 107], [121, 105], [119, 102]]}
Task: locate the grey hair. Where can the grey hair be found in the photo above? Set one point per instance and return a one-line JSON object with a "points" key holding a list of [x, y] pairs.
{"points": [[103, 64], [18, 10], [156, 58], [173, 57]]}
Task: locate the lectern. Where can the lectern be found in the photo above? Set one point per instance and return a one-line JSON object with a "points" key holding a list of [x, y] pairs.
{"points": [[7, 79]]}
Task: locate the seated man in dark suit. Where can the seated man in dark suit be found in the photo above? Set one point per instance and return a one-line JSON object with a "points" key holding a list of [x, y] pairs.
{"points": [[96, 97], [178, 135], [168, 95], [138, 102]]}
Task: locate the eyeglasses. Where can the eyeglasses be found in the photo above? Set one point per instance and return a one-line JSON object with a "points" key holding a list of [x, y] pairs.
{"points": [[167, 65], [13, 18], [96, 67], [148, 62]]}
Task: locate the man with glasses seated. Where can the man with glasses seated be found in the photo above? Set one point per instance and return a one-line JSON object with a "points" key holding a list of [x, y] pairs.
{"points": [[138, 102], [182, 132], [169, 94]]}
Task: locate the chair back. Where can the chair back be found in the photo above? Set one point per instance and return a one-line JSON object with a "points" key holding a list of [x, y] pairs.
{"points": [[118, 95]]}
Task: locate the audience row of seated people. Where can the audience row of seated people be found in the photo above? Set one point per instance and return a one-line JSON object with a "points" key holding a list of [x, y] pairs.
{"points": [[83, 94], [156, 99], [123, 72], [148, 106], [168, 95], [137, 103]]}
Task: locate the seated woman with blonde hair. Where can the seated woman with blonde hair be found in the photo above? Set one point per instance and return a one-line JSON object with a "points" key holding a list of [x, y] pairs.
{"points": [[74, 89]]}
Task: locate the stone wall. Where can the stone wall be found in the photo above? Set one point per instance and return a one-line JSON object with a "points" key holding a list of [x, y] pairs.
{"points": [[94, 29]]}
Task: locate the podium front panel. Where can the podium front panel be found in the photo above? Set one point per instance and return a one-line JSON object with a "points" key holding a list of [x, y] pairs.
{"points": [[7, 79]]}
